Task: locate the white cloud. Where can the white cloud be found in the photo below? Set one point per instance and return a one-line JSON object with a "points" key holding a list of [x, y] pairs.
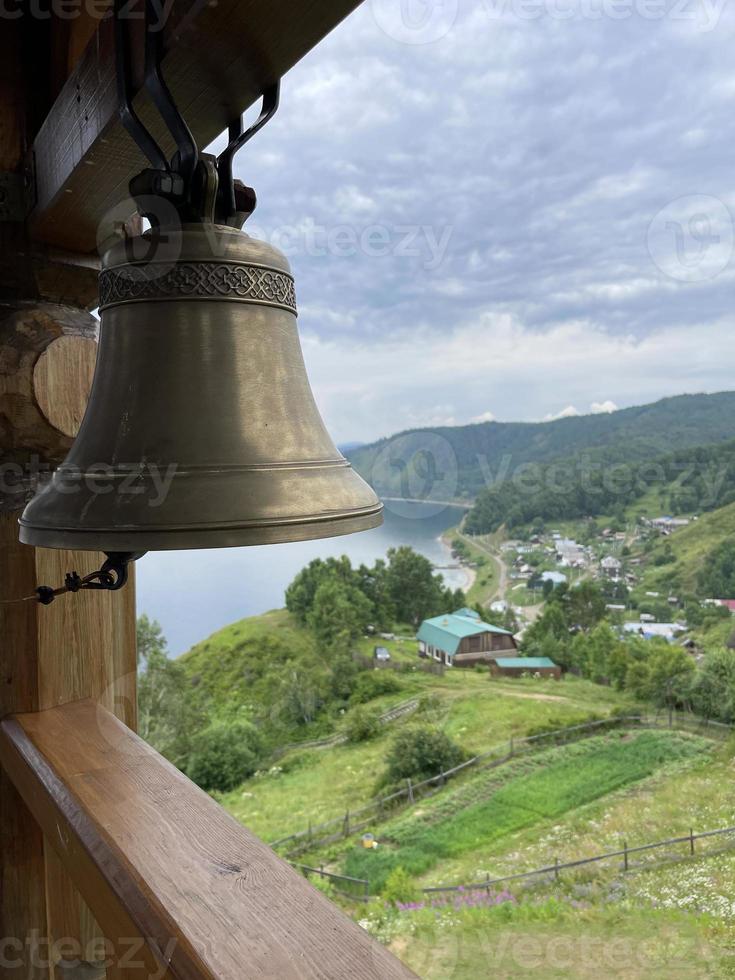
{"points": [[368, 388], [484, 417], [599, 408], [566, 413]]}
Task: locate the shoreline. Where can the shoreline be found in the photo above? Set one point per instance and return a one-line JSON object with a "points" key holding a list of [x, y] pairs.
{"points": [[469, 573]]}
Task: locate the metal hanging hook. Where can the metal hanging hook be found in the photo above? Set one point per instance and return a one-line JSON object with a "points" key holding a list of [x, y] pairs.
{"points": [[128, 115], [227, 206], [187, 157], [184, 179]]}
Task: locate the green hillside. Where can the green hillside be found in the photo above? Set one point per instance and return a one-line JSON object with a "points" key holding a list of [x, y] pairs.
{"points": [[317, 784], [687, 552], [457, 462], [563, 801]]}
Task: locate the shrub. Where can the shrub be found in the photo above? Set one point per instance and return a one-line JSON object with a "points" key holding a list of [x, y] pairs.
{"points": [[399, 888], [223, 756], [430, 707], [374, 683], [418, 753], [362, 725]]}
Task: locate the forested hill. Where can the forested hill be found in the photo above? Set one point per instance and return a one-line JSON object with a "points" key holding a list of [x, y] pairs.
{"points": [[456, 462], [685, 482]]}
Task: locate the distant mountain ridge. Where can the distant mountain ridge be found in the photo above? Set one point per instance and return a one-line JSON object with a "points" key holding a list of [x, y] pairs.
{"points": [[457, 462]]}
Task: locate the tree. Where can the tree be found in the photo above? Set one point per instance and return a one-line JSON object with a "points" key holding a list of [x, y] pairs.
{"points": [[339, 613], [301, 592], [713, 690], [301, 693], [224, 755], [584, 605], [415, 591], [717, 578], [373, 582], [167, 714], [602, 646], [361, 724], [670, 674], [552, 622], [419, 753]]}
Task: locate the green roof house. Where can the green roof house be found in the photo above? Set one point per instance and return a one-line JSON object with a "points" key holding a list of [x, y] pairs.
{"points": [[462, 639], [519, 666]]}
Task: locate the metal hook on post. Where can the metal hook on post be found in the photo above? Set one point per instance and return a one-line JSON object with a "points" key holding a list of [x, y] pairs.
{"points": [[111, 577]]}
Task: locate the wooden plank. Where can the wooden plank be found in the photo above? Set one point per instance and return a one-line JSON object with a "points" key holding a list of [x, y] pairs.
{"points": [[220, 57], [151, 852]]}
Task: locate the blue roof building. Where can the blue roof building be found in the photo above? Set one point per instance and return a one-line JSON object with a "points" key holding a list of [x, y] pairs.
{"points": [[461, 638], [517, 666]]}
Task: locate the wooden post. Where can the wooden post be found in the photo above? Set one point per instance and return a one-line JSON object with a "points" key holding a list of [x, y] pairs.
{"points": [[556, 868], [409, 787], [346, 825], [691, 840], [625, 855], [83, 645]]}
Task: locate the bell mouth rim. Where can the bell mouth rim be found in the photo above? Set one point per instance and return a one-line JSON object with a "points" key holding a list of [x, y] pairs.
{"points": [[192, 537]]}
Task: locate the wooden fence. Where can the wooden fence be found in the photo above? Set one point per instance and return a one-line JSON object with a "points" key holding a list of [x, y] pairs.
{"points": [[392, 714], [557, 867], [358, 888], [353, 821], [427, 666]]}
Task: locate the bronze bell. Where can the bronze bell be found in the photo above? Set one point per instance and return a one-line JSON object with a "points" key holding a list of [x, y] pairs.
{"points": [[201, 429]]}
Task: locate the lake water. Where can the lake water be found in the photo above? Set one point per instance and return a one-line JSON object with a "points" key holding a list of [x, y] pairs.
{"points": [[194, 593]]}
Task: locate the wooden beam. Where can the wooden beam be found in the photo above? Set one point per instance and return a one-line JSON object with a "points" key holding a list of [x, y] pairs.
{"points": [[156, 857], [220, 57]]}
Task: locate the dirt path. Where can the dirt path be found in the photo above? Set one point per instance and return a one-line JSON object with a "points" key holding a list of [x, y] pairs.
{"points": [[530, 697]]}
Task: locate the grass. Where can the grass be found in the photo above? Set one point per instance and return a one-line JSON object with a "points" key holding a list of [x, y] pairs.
{"points": [[319, 784], [402, 650], [487, 571], [691, 546], [554, 940], [697, 794], [562, 780]]}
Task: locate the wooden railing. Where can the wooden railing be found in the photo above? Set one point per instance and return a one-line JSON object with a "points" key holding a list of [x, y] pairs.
{"points": [[178, 887]]}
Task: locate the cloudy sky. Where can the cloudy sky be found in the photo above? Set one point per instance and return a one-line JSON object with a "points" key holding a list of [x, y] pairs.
{"points": [[507, 208]]}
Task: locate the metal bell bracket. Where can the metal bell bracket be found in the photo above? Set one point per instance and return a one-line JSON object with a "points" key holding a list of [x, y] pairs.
{"points": [[112, 576], [188, 180]]}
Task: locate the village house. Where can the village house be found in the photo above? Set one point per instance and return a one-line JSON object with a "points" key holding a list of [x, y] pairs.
{"points": [[569, 552], [520, 666], [666, 525], [462, 639], [611, 567], [648, 629]]}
